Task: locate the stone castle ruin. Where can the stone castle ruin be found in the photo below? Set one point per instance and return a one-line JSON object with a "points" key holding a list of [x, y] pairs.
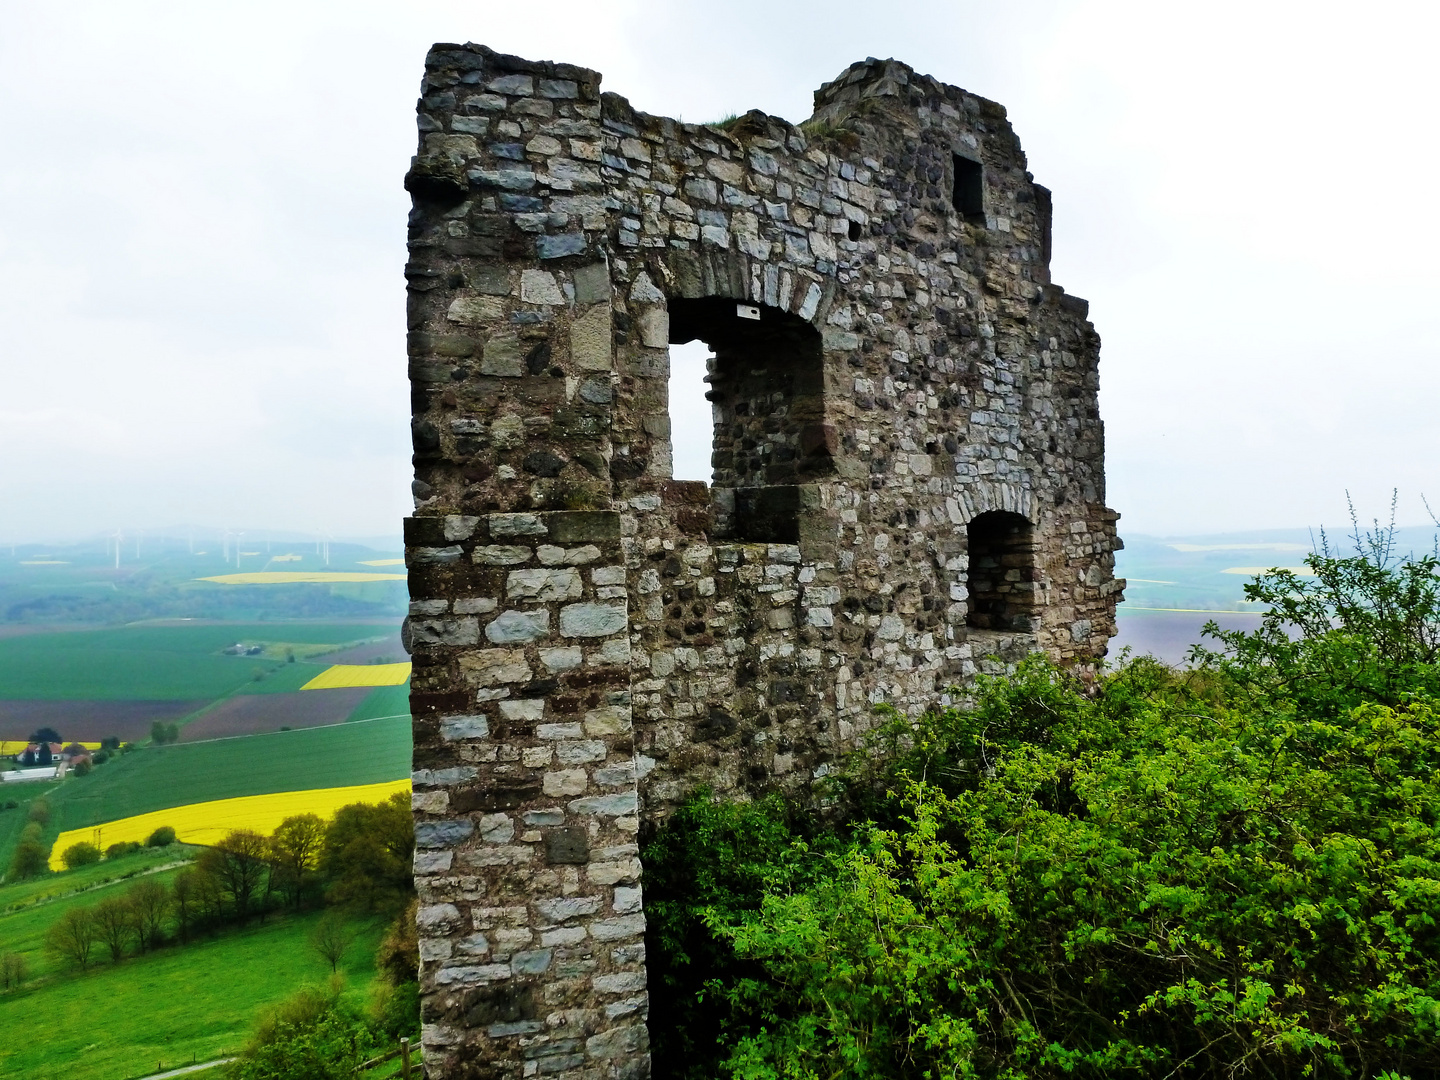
{"points": [[908, 488]]}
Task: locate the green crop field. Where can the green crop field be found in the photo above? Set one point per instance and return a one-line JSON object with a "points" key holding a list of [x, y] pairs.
{"points": [[384, 701], [162, 1010], [157, 777], [161, 663]]}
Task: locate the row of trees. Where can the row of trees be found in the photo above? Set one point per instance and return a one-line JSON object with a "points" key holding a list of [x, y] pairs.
{"points": [[360, 860]]}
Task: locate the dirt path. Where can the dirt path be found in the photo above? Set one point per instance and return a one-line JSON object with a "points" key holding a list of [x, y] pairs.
{"points": [[187, 1069]]}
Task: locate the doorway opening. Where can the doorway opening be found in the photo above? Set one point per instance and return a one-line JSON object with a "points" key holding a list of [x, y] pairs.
{"points": [[1002, 572], [766, 427]]}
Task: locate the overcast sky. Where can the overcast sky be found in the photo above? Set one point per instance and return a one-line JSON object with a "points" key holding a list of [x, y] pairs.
{"points": [[202, 234]]}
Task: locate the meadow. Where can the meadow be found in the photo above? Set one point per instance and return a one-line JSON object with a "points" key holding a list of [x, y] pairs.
{"points": [[162, 1010]]}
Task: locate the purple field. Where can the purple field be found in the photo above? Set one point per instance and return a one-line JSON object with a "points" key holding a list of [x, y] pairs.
{"points": [[90, 721], [250, 714]]}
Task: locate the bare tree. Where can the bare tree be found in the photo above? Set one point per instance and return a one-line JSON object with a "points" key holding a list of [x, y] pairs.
{"points": [[72, 937], [114, 924], [331, 938], [150, 905]]}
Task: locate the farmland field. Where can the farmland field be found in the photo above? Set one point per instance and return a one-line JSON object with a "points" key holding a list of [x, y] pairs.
{"points": [[155, 663], [157, 777], [208, 822], [343, 675], [384, 702], [90, 720], [249, 714]]}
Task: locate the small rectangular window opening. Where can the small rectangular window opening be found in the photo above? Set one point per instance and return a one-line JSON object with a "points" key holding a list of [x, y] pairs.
{"points": [[969, 193]]}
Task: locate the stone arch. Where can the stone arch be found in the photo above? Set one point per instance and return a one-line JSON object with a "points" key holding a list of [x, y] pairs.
{"points": [[979, 498], [735, 275]]}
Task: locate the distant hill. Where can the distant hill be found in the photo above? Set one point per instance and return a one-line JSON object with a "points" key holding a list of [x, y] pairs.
{"points": [[80, 583]]}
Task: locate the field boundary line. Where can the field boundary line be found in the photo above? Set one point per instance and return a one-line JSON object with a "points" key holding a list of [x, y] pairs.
{"points": [[292, 731], [98, 885]]}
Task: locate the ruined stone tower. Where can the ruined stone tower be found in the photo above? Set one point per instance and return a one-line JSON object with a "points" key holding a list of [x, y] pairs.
{"points": [[908, 487]]}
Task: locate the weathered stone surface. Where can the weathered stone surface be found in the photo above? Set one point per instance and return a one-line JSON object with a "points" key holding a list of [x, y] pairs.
{"points": [[907, 490]]}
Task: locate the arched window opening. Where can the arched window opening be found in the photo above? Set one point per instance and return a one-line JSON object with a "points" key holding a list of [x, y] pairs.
{"points": [[767, 429], [1002, 572]]}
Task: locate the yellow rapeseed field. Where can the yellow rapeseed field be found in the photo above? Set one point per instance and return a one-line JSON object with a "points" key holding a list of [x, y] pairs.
{"points": [[299, 577], [11, 747], [337, 676], [208, 822]]}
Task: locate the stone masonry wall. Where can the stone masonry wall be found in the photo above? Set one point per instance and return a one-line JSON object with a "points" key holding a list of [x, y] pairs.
{"points": [[593, 639]]}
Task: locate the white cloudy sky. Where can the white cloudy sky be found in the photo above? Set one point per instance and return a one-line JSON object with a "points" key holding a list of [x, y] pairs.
{"points": [[202, 233]]}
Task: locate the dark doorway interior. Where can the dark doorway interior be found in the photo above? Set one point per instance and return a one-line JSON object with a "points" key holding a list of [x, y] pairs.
{"points": [[1002, 572], [766, 382]]}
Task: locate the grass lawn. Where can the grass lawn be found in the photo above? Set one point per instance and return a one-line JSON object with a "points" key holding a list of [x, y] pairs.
{"points": [[157, 663], [182, 1003], [384, 701], [158, 777]]}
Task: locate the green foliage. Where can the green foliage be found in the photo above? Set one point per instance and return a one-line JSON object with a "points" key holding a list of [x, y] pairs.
{"points": [[81, 854], [367, 855], [164, 836], [1364, 628], [398, 958], [39, 812], [123, 848], [162, 733], [316, 1033], [709, 868], [82, 767], [1234, 872], [31, 859]]}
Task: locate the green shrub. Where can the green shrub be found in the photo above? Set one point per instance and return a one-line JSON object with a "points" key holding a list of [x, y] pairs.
{"points": [[315, 1033], [81, 854], [164, 836], [1233, 872], [31, 859], [122, 849], [39, 812], [82, 768]]}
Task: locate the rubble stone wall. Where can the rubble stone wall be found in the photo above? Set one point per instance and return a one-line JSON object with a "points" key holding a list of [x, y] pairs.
{"points": [[593, 639]]}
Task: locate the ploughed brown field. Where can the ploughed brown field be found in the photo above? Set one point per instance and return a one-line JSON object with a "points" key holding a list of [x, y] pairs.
{"points": [[387, 651], [90, 721], [248, 714]]}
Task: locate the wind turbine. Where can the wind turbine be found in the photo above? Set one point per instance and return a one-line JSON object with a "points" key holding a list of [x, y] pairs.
{"points": [[237, 549], [119, 538]]}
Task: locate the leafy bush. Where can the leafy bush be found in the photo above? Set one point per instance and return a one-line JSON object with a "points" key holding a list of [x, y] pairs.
{"points": [[164, 836], [81, 854], [39, 812], [316, 1033], [123, 848], [82, 768], [1231, 872]]}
